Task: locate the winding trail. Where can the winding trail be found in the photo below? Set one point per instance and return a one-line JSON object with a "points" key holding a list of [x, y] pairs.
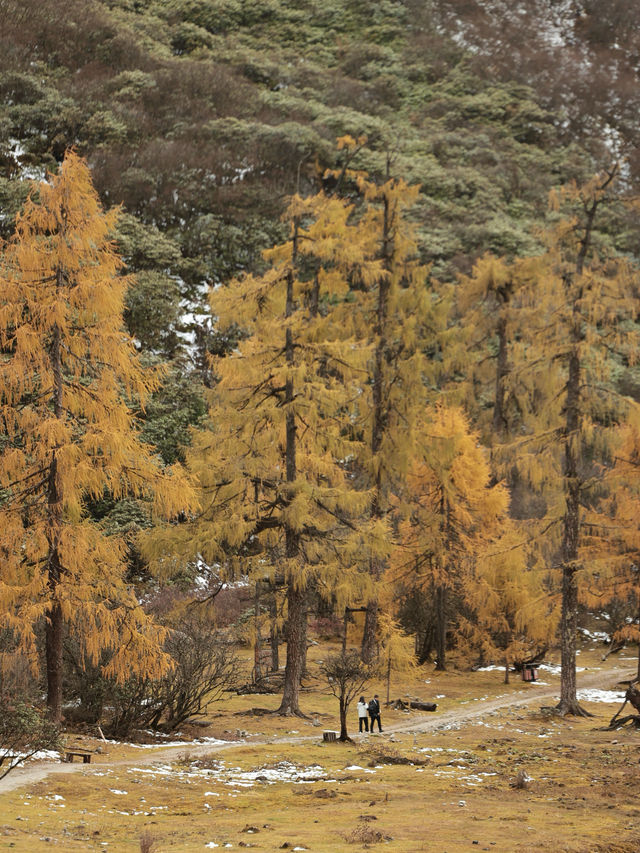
{"points": [[33, 773]]}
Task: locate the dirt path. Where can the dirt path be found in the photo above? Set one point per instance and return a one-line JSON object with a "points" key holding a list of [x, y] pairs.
{"points": [[532, 694]]}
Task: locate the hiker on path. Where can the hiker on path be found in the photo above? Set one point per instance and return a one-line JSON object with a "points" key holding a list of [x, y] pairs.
{"points": [[362, 715], [374, 712]]}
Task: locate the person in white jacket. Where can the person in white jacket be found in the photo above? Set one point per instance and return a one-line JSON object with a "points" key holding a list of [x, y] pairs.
{"points": [[363, 715]]}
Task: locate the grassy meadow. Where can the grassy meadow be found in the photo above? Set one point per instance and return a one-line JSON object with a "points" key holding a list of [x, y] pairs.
{"points": [[489, 770]]}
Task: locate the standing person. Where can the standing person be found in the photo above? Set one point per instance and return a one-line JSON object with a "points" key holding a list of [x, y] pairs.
{"points": [[362, 715], [374, 712]]}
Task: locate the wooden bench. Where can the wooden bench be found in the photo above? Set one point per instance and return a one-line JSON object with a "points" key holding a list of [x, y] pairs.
{"points": [[329, 736], [84, 754]]}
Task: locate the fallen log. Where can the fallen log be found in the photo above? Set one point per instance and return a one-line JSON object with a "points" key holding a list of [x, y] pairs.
{"points": [[413, 705]]}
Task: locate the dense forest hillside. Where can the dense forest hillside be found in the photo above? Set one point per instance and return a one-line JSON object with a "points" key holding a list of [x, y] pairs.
{"points": [[442, 324], [201, 116]]}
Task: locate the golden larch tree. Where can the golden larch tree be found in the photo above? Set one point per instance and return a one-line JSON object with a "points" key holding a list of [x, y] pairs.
{"points": [[273, 466], [580, 328], [509, 614], [393, 310], [611, 540], [451, 513], [67, 370]]}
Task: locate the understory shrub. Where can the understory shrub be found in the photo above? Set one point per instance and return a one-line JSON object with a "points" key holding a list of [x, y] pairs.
{"points": [[24, 731]]}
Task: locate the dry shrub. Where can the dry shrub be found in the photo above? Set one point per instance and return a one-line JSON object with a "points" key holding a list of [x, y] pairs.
{"points": [[365, 834], [202, 762], [148, 843]]}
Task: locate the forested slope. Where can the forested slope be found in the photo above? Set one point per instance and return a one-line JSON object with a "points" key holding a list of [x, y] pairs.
{"points": [[202, 118]]}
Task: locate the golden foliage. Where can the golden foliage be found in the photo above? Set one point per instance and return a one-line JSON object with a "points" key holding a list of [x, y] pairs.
{"points": [[67, 369]]}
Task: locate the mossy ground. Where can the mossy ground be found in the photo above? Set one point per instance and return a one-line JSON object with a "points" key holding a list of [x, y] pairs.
{"points": [[578, 788]]}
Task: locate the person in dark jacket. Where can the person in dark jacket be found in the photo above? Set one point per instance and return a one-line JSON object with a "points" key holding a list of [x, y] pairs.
{"points": [[374, 713]]}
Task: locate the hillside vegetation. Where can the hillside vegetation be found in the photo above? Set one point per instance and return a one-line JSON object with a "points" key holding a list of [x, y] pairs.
{"points": [[382, 308]]}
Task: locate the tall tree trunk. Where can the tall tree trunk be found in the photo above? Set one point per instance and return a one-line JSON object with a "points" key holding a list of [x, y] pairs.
{"points": [[440, 591], [344, 734], [378, 426], [257, 644], [426, 646], [296, 592], [53, 655], [274, 633], [296, 636], [570, 540], [370, 630], [388, 678], [54, 624], [502, 369], [441, 627]]}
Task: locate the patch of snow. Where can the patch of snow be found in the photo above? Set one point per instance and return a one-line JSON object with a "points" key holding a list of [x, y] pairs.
{"points": [[237, 778], [607, 696], [46, 755], [554, 669], [600, 636]]}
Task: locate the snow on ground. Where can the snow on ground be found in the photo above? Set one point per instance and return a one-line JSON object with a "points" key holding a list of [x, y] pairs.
{"points": [[608, 696], [554, 668], [236, 777], [597, 636], [41, 755], [165, 743], [46, 755]]}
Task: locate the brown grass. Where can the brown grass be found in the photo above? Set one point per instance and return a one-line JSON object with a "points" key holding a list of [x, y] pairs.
{"points": [[441, 790]]}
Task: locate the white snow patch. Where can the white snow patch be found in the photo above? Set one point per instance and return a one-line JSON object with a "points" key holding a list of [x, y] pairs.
{"points": [[554, 668], [237, 778], [607, 696], [598, 636]]}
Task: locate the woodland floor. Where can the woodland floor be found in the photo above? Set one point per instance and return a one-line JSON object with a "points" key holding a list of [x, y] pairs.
{"points": [[270, 783]]}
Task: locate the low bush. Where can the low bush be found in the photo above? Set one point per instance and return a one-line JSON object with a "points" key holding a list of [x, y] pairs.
{"points": [[24, 731]]}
